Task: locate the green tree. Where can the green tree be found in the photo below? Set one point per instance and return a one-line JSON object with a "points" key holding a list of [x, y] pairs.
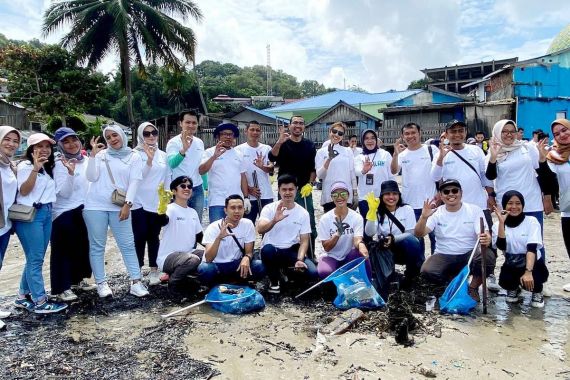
{"points": [[312, 88], [131, 27], [418, 84]]}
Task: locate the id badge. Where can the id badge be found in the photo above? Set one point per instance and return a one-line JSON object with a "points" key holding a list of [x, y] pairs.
{"points": [[369, 179]]}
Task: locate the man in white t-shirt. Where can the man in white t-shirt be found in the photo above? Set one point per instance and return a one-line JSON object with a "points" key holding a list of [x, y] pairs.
{"points": [[177, 253], [184, 154], [415, 161], [353, 145], [229, 247], [226, 171], [258, 167], [286, 230], [456, 225]]}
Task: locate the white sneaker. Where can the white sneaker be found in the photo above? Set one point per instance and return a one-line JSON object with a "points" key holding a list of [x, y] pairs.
{"points": [[67, 296], [492, 284], [138, 289], [546, 291], [4, 314], [86, 286], [104, 290], [2, 325], [154, 278], [566, 288]]}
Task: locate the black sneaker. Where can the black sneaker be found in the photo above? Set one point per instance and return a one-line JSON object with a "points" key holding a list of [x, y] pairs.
{"points": [[513, 296], [537, 300], [274, 288]]}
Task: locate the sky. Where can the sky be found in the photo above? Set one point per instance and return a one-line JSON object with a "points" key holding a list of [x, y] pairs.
{"points": [[377, 45]]}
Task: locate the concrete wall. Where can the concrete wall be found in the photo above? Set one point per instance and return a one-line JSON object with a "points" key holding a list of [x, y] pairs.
{"points": [[482, 117]]}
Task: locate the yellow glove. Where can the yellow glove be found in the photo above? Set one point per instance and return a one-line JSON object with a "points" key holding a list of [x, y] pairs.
{"points": [[373, 204], [306, 190], [164, 198]]}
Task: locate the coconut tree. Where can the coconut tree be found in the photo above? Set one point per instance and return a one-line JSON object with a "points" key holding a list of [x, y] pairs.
{"points": [[140, 31]]}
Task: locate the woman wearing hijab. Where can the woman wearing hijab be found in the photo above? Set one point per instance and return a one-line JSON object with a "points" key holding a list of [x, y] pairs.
{"points": [[146, 221], [554, 173], [335, 162], [36, 189], [372, 168], [519, 237], [115, 169], [9, 142], [69, 260], [394, 225]]}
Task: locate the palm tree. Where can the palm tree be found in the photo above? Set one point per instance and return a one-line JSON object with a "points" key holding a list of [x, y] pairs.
{"points": [[133, 28]]}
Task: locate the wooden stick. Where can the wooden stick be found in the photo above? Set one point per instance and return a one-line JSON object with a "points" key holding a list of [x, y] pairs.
{"points": [[483, 267], [183, 309], [311, 288], [256, 185]]}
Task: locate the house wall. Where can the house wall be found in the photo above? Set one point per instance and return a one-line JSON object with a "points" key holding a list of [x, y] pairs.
{"points": [[13, 116], [482, 117], [427, 97]]}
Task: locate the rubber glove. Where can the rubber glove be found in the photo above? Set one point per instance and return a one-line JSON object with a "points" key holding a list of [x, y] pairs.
{"points": [[247, 205], [164, 198], [373, 204], [354, 199], [306, 190]]}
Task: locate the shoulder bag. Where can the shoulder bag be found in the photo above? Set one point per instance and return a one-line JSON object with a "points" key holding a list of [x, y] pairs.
{"points": [[24, 213], [119, 196]]}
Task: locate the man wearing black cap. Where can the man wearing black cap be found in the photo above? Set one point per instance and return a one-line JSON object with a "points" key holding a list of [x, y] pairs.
{"points": [[457, 226], [226, 171]]}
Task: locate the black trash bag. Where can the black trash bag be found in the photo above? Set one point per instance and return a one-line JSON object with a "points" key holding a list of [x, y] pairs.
{"points": [[383, 267]]}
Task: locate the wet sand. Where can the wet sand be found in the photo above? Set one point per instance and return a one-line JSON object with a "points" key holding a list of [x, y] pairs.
{"points": [[281, 342]]}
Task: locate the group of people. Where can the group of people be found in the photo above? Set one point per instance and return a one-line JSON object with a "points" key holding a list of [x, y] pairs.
{"points": [[448, 193]]}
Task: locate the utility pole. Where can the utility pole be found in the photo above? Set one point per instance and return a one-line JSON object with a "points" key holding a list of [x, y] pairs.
{"points": [[269, 85]]}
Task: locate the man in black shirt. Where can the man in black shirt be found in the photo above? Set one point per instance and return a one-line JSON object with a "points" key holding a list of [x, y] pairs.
{"points": [[295, 155]]}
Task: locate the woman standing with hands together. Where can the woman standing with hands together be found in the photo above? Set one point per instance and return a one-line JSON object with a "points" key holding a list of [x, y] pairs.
{"points": [[146, 221], [36, 189], [114, 174]]}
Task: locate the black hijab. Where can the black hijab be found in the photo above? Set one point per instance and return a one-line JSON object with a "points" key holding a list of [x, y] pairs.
{"points": [[513, 221], [364, 149]]}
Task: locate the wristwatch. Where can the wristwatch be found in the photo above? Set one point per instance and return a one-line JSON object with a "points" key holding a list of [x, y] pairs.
{"points": [[129, 203]]}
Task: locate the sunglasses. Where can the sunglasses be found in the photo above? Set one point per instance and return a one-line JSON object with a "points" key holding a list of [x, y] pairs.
{"points": [[154, 132], [337, 132], [342, 194], [185, 186], [455, 190]]}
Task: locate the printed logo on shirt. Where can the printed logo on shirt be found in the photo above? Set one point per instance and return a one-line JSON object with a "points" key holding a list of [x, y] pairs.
{"points": [[348, 230], [442, 224], [181, 218], [406, 161], [379, 163]]}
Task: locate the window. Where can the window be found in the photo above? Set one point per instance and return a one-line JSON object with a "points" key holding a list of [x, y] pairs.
{"points": [[561, 115]]}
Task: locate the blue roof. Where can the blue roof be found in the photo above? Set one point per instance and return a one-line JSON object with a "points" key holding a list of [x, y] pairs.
{"points": [[351, 97], [267, 114]]}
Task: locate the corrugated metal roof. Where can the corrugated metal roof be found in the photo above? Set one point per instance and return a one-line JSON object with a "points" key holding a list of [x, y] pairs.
{"points": [[350, 97], [266, 114]]}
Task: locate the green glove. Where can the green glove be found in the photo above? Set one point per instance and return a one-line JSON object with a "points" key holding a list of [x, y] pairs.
{"points": [[373, 204]]}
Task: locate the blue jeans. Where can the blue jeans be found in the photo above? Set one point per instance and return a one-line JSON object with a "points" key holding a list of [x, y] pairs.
{"points": [[215, 273], [255, 211], [197, 200], [274, 259], [216, 213], [539, 215], [417, 213], [4, 240], [408, 250], [34, 237], [97, 223]]}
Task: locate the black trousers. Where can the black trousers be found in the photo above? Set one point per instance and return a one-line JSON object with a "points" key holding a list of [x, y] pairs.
{"points": [[146, 229], [69, 261], [510, 277], [179, 265], [565, 221]]}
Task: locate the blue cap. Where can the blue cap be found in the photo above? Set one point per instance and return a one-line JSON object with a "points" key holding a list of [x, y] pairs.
{"points": [[226, 126], [63, 132]]}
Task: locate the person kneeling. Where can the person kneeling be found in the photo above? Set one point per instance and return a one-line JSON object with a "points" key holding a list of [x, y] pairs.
{"points": [[286, 231], [457, 226], [177, 253], [229, 247], [340, 230], [520, 238], [394, 223]]}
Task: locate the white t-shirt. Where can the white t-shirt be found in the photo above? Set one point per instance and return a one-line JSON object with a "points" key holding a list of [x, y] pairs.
{"points": [[71, 190], [191, 162], [471, 183], [354, 227], [405, 214], [285, 233], [126, 171], [417, 183], [563, 175], [528, 232], [179, 235], [517, 172], [224, 177], [249, 154], [147, 192], [356, 151], [381, 161], [9, 190], [43, 191], [228, 250], [456, 232], [341, 168]]}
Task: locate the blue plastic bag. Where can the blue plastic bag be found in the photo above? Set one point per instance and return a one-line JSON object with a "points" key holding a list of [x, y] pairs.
{"points": [[354, 288], [456, 298], [238, 300]]}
